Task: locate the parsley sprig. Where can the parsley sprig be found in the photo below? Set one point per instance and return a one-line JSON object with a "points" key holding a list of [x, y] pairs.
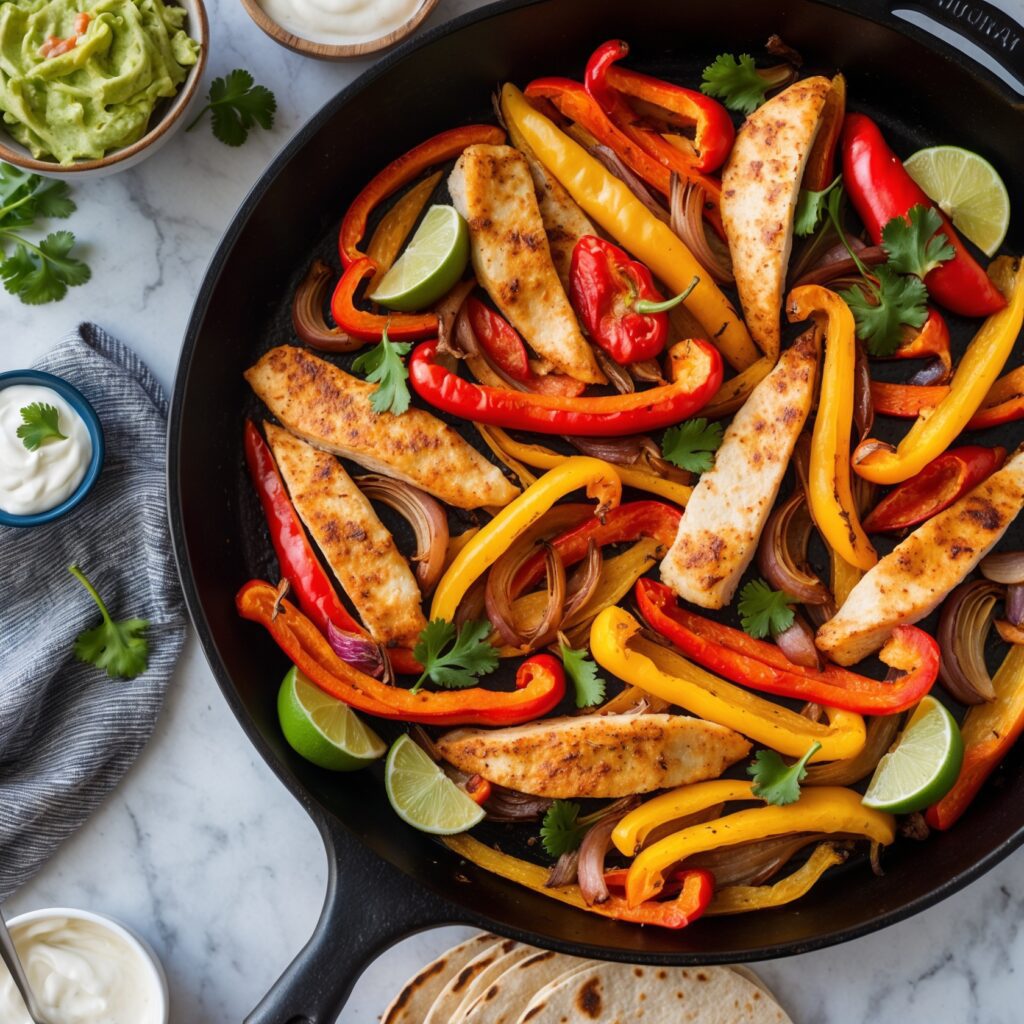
{"points": [[776, 782], [692, 444], [40, 422], [118, 647], [237, 104], [580, 668], [764, 611], [469, 656], [383, 366], [739, 83]]}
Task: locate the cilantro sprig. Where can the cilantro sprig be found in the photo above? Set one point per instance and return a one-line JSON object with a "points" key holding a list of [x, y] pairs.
{"points": [[776, 782], [764, 611], [237, 104], [914, 245], [40, 422], [811, 206], [118, 647], [383, 366], [468, 657], [739, 83], [692, 444], [580, 668], [562, 829]]}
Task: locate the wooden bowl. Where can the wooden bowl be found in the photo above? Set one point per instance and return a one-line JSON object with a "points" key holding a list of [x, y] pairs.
{"points": [[334, 51]]}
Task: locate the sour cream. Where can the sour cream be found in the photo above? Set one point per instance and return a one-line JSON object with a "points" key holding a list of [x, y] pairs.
{"points": [[82, 973], [338, 22], [32, 482]]}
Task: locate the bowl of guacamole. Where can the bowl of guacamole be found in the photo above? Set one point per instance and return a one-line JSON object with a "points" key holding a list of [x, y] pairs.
{"points": [[95, 85]]}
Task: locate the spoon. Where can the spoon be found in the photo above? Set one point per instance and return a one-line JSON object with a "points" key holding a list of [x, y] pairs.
{"points": [[10, 957]]}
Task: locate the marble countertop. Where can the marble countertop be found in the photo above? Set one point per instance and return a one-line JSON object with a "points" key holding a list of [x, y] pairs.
{"points": [[226, 881]]}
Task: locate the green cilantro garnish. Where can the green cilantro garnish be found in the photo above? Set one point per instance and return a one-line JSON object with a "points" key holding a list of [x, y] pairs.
{"points": [[764, 611], [562, 831], [118, 647], [39, 423], [880, 310], [810, 208], [583, 673], [237, 106], [739, 84], [776, 782], [383, 366], [692, 444], [470, 655], [914, 245]]}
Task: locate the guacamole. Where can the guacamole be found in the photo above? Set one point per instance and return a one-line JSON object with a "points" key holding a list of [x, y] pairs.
{"points": [[99, 94]]}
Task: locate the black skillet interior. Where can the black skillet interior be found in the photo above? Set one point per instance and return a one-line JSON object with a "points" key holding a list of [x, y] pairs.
{"points": [[920, 96]]}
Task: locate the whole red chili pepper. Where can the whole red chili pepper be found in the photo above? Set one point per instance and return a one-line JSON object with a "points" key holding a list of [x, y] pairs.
{"points": [[617, 301], [370, 326], [603, 416], [762, 666], [881, 189]]}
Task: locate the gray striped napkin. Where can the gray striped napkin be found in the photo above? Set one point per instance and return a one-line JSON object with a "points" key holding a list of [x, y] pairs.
{"points": [[68, 733]]}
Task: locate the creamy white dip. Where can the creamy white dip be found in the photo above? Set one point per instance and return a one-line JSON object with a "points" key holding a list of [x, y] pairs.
{"points": [[338, 22]]}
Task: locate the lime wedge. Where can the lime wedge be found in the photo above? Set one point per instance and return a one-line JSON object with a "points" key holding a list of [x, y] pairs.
{"points": [[422, 795], [924, 764], [968, 190], [323, 729], [431, 265]]}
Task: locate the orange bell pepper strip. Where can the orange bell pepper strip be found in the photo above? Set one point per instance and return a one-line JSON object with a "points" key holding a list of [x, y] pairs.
{"points": [[821, 161], [931, 339]]}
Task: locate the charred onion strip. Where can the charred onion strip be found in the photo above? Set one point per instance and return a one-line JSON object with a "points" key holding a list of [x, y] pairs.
{"points": [[963, 628], [359, 651], [782, 552], [687, 221], [308, 313]]}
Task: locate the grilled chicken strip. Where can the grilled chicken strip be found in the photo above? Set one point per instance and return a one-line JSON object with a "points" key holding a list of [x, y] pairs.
{"points": [[356, 544], [760, 187], [724, 517], [912, 580], [492, 188], [331, 410], [596, 755]]}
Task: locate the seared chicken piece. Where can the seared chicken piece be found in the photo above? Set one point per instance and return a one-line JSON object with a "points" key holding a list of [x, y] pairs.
{"points": [[331, 410], [596, 755], [491, 187], [760, 187], [726, 513], [355, 543], [912, 580]]}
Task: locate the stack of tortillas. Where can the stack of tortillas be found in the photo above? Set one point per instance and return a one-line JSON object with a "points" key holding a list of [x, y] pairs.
{"points": [[486, 980]]}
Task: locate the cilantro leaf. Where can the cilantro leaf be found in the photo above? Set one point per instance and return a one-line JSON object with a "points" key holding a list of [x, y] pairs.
{"points": [[469, 656], [383, 366], [583, 673], [811, 206], [25, 197], [736, 83], [692, 444], [881, 310], [561, 830], [117, 647], [39, 423], [914, 244], [43, 273], [776, 782], [237, 105], [763, 610]]}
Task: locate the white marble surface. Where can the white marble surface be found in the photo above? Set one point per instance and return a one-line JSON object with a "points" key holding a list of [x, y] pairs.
{"points": [[226, 878]]}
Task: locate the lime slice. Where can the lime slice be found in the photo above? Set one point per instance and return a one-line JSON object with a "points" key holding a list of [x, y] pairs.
{"points": [[323, 729], [924, 765], [968, 190], [431, 265], [422, 795]]}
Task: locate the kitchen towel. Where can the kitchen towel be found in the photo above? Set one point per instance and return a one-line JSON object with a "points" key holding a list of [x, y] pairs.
{"points": [[68, 732]]}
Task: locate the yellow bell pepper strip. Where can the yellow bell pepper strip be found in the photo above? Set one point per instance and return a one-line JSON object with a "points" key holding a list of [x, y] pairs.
{"points": [[829, 495], [829, 809], [617, 645], [610, 204], [741, 899], [390, 235], [735, 391], [934, 432], [600, 480]]}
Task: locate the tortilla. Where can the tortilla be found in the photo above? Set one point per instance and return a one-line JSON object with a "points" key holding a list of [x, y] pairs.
{"points": [[457, 986], [507, 997], [483, 981]]}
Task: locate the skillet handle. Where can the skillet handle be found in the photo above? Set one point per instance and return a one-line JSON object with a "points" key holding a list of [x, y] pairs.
{"points": [[370, 905]]}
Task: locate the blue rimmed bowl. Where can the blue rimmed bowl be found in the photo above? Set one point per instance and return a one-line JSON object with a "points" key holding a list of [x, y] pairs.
{"points": [[78, 402]]}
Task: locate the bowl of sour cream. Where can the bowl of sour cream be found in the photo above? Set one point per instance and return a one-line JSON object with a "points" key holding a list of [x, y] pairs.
{"points": [[84, 969], [51, 447]]}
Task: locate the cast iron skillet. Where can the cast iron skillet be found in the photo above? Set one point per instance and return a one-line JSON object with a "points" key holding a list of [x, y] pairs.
{"points": [[386, 880]]}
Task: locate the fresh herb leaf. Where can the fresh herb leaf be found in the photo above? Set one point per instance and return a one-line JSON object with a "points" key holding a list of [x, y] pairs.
{"points": [[692, 444], [469, 656], [880, 310], [776, 782], [117, 647], [811, 207], [764, 611], [237, 106], [735, 82], [561, 831], [914, 245], [383, 366], [583, 672], [43, 273], [39, 423]]}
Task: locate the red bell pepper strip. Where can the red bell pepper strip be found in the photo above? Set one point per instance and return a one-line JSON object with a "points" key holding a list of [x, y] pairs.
{"points": [[602, 416], [881, 189], [617, 301], [931, 339], [695, 888], [540, 680], [370, 326], [762, 666], [943, 481]]}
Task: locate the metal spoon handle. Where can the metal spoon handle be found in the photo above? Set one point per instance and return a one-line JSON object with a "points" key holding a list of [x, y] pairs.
{"points": [[10, 957]]}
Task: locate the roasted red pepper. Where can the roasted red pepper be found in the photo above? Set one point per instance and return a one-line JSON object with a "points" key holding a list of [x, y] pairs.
{"points": [[370, 326], [540, 680], [603, 416], [943, 481], [762, 666], [881, 189]]}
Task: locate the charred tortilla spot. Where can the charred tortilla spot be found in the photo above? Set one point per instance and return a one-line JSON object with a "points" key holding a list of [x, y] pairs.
{"points": [[588, 1000]]}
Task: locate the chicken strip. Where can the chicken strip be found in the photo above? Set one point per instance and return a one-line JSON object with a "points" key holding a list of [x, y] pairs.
{"points": [[355, 543], [760, 187], [726, 513], [912, 580], [596, 755], [331, 410], [492, 188]]}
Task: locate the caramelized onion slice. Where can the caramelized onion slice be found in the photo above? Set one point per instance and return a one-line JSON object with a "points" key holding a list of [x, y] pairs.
{"points": [[308, 318], [687, 221], [963, 628], [881, 732], [782, 552]]}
